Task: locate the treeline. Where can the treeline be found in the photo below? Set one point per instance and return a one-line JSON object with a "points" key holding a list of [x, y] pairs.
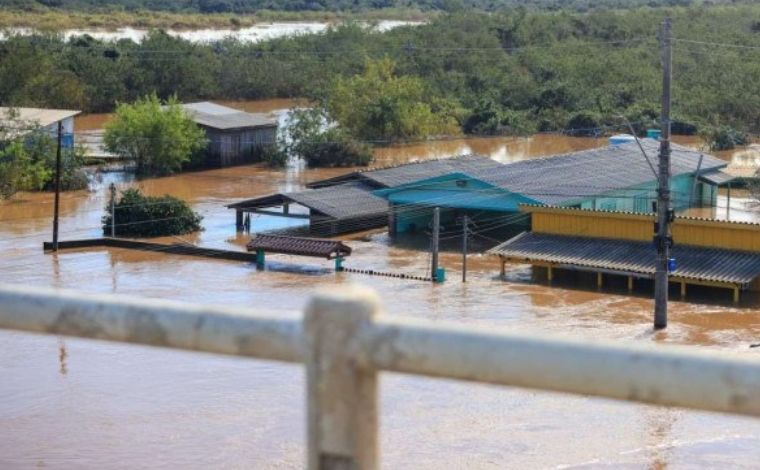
{"points": [[253, 6], [496, 73]]}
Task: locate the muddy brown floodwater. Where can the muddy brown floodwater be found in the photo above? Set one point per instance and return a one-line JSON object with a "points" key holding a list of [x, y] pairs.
{"points": [[70, 403]]}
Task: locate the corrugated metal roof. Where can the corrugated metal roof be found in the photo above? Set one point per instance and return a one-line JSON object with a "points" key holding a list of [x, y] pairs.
{"points": [[38, 116], [404, 173], [553, 180], [298, 246], [343, 201], [717, 177], [575, 176], [698, 263], [409, 173], [221, 117]]}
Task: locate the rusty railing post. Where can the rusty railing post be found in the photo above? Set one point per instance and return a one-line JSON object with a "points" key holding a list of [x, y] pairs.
{"points": [[342, 402]]}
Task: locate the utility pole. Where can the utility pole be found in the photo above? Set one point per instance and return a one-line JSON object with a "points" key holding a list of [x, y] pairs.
{"points": [[464, 248], [664, 212], [113, 210], [57, 186], [436, 233]]}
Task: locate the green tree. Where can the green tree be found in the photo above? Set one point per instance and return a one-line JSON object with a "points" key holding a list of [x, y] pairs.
{"points": [[138, 215], [310, 137], [379, 105], [158, 138]]}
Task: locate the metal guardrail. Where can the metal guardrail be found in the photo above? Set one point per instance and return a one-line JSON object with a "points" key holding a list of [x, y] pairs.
{"points": [[345, 341]]}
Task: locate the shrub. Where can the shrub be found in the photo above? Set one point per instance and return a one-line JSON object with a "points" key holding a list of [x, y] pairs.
{"points": [[147, 216], [310, 137], [272, 155], [724, 138]]}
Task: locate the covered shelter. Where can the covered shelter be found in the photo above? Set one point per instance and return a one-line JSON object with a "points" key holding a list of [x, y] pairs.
{"points": [[314, 247], [348, 207], [234, 136], [707, 252]]}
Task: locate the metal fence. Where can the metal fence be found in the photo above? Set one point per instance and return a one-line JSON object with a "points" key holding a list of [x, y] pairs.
{"points": [[345, 341]]}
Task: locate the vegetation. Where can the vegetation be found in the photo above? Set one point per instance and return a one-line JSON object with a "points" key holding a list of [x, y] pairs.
{"points": [[724, 138], [158, 137], [146, 216], [27, 162], [310, 136], [509, 72], [253, 6], [379, 105]]}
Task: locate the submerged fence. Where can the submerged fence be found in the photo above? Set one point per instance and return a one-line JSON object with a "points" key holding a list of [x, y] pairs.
{"points": [[345, 341]]}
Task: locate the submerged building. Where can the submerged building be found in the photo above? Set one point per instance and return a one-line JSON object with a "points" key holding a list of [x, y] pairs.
{"points": [[233, 136], [613, 178], [611, 244], [25, 121]]}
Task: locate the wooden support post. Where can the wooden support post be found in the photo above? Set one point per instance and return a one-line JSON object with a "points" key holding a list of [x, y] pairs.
{"points": [[683, 289], [599, 280], [630, 283], [434, 244], [549, 273], [286, 208], [57, 199], [728, 202], [503, 273], [464, 248], [238, 220], [248, 222], [342, 394], [391, 220], [260, 259], [113, 210], [736, 294]]}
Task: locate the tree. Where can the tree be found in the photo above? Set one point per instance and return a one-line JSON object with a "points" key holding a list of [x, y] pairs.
{"points": [[311, 137], [379, 105], [147, 216], [160, 139]]}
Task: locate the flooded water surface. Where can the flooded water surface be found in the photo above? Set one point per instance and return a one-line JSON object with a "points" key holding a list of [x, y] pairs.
{"points": [[84, 404]]}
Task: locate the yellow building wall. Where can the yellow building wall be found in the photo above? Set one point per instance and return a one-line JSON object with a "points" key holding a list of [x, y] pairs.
{"points": [[640, 227]]}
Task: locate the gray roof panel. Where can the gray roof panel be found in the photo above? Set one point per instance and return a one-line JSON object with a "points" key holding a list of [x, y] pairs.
{"points": [[574, 176], [699, 263]]}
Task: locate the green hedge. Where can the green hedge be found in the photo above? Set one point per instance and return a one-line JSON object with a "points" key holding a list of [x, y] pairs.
{"points": [[147, 216]]}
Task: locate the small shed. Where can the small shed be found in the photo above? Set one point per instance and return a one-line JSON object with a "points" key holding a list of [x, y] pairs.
{"points": [[22, 121], [233, 136], [349, 207]]}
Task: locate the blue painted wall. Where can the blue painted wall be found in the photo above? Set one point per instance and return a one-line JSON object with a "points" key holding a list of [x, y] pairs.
{"points": [[458, 192]]}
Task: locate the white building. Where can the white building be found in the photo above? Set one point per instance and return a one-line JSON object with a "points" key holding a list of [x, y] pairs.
{"points": [[21, 121]]}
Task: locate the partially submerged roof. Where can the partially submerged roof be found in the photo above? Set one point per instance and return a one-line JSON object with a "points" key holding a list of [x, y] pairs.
{"points": [[574, 176], [34, 116], [345, 201], [631, 257], [554, 180], [396, 175], [718, 178], [316, 247], [223, 118]]}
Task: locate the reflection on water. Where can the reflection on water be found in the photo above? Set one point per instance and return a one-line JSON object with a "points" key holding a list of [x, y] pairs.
{"points": [[88, 404]]}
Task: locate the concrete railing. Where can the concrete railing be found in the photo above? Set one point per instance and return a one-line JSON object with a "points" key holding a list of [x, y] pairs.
{"points": [[344, 341]]}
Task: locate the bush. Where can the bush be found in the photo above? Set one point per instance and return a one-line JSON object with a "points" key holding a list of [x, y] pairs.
{"points": [[310, 138], [584, 124], [272, 155], [724, 138], [336, 153], [146, 216]]}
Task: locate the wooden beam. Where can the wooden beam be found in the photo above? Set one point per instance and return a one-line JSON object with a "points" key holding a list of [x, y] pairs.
{"points": [[630, 283], [550, 273], [280, 214]]}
